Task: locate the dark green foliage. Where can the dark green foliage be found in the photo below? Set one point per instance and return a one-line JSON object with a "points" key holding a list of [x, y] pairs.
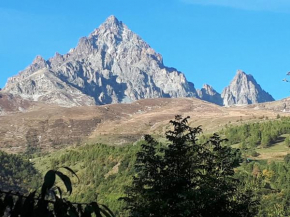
{"points": [[49, 180], [257, 134], [266, 140], [287, 141], [48, 203], [17, 173], [104, 171], [32, 140], [270, 182], [287, 159], [186, 178], [253, 153]]}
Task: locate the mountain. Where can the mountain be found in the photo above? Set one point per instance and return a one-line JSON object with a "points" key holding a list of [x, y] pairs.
{"points": [[111, 65], [209, 94], [244, 89]]}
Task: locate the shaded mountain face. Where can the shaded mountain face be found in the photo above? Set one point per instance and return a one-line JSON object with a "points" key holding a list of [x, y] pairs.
{"points": [[244, 90], [111, 65], [209, 94]]}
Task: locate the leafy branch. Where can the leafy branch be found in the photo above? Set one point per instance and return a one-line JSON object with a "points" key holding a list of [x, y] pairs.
{"points": [[48, 203]]}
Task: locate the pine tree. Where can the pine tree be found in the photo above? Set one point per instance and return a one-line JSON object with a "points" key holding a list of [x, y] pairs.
{"points": [[287, 141], [185, 178]]}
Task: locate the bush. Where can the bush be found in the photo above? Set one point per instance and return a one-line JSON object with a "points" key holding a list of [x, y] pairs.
{"points": [[253, 153]]}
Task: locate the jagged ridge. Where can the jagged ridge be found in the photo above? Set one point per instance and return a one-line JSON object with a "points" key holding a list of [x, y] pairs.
{"points": [[114, 65], [209, 94], [111, 65], [244, 90]]}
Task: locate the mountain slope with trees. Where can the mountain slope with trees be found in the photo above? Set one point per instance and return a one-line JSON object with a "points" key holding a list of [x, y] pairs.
{"points": [[17, 173]]}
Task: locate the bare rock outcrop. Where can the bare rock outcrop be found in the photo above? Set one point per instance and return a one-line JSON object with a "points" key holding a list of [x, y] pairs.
{"points": [[244, 90], [209, 94], [111, 65]]}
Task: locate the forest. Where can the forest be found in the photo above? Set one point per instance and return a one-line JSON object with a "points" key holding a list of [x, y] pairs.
{"points": [[207, 164]]}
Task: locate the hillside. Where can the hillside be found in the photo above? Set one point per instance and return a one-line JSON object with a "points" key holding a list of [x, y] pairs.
{"points": [[107, 170], [50, 127], [10, 103], [17, 174]]}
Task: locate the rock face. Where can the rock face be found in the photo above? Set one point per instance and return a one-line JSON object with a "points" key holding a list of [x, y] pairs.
{"points": [[244, 90], [207, 93], [111, 65]]}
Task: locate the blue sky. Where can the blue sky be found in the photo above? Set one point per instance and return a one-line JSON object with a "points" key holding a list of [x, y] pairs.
{"points": [[208, 40]]}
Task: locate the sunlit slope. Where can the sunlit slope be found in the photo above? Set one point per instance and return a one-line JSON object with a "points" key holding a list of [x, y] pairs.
{"points": [[48, 127]]}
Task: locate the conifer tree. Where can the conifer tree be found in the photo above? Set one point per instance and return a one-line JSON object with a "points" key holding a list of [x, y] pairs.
{"points": [[185, 178]]}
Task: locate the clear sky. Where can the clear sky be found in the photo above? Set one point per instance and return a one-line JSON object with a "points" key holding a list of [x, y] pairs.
{"points": [[207, 40]]}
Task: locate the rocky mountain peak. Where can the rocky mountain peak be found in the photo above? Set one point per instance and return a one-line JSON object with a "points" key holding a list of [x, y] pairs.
{"points": [[209, 94], [114, 65], [37, 64], [244, 78], [244, 89], [111, 26], [112, 20], [38, 60], [240, 73], [208, 88], [111, 65]]}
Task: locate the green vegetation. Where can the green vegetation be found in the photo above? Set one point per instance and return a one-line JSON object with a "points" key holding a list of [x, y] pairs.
{"points": [[50, 202], [17, 173], [287, 141], [187, 179], [270, 182], [105, 171], [268, 177], [254, 135]]}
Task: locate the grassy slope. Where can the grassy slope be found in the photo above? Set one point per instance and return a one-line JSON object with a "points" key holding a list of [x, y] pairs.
{"points": [[106, 170], [103, 171], [276, 151]]}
